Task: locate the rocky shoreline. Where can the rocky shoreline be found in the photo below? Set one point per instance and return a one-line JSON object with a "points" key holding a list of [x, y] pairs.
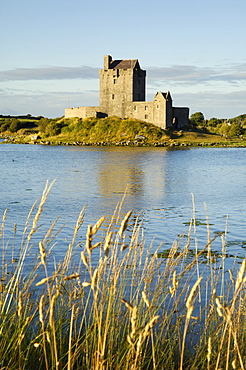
{"points": [[135, 143]]}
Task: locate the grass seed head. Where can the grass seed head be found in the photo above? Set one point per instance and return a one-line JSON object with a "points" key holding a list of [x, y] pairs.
{"points": [[41, 307], [70, 277], [94, 279], [124, 224], [192, 292], [107, 242], [97, 226], [88, 239], [134, 321], [128, 305], [145, 299], [240, 275], [86, 284], [84, 259], [95, 245], [44, 280], [220, 308], [20, 305], [209, 350], [42, 252]]}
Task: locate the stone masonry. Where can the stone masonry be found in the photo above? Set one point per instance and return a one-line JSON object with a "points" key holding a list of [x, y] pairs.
{"points": [[122, 94]]}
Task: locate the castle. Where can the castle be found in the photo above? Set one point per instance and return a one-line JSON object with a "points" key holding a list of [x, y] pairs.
{"points": [[122, 94]]}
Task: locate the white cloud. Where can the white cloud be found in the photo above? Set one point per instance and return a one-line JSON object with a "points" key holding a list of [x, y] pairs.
{"points": [[187, 74], [214, 103], [49, 73]]}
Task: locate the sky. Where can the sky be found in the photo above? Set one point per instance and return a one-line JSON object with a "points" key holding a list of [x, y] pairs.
{"points": [[51, 51]]}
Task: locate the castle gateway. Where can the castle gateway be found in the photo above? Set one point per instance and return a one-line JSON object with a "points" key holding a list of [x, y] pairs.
{"points": [[122, 94]]}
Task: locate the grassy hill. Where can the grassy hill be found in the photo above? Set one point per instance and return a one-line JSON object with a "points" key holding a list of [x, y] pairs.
{"points": [[107, 131]]}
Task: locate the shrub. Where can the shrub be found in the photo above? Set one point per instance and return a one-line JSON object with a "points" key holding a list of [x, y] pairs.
{"points": [[50, 127], [5, 126], [15, 125]]}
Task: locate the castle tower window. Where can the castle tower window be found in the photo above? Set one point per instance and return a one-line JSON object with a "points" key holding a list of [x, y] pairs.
{"points": [[146, 116], [135, 107], [146, 107], [112, 96], [115, 81]]}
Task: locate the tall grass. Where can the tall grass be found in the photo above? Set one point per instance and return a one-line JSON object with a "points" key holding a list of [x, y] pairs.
{"points": [[117, 303]]}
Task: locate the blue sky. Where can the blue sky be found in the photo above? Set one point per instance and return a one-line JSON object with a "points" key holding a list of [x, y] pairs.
{"points": [[51, 51]]}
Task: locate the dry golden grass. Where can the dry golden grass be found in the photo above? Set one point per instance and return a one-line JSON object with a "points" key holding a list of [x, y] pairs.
{"points": [[119, 304]]}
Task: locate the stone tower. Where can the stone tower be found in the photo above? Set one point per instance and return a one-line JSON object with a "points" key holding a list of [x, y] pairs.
{"points": [[162, 109], [121, 83]]}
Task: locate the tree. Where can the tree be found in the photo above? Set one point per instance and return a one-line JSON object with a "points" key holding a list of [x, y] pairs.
{"points": [[15, 125], [49, 127], [43, 123], [197, 119], [235, 129], [229, 129], [213, 122], [5, 126]]}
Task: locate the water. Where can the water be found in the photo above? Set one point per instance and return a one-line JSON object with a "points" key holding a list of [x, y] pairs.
{"points": [[158, 182]]}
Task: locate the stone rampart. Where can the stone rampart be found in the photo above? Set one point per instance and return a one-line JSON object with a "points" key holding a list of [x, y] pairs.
{"points": [[81, 112]]}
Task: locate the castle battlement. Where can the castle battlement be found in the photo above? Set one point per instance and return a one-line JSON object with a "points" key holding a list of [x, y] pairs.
{"points": [[122, 94]]}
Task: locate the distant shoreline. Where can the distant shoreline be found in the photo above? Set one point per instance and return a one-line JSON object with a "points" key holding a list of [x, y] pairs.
{"points": [[171, 145]]}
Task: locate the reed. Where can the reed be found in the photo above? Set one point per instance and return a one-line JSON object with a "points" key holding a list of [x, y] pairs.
{"points": [[113, 302]]}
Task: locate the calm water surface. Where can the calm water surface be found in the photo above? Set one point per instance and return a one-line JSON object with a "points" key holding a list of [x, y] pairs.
{"points": [[159, 185]]}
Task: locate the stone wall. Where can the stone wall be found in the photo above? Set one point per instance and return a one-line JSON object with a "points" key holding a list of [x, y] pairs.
{"points": [[142, 111], [81, 112], [181, 116]]}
